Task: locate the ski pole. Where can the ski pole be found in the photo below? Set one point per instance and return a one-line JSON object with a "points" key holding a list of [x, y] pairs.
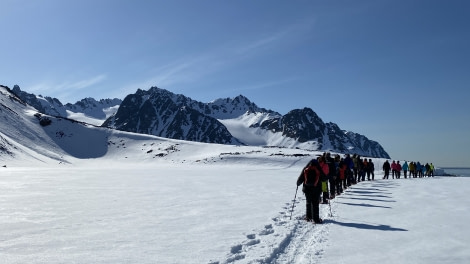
{"points": [[291, 211], [331, 213]]}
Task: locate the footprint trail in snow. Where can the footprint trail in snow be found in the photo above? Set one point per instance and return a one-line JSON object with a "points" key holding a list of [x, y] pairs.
{"points": [[284, 240]]}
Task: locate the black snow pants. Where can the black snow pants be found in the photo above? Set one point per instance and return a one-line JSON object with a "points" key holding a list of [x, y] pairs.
{"points": [[312, 195]]}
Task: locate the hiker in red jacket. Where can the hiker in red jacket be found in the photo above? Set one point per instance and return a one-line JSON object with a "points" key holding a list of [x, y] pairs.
{"points": [[394, 169], [398, 169]]}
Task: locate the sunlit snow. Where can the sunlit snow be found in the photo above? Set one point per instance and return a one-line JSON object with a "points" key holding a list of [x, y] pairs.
{"points": [[71, 193]]}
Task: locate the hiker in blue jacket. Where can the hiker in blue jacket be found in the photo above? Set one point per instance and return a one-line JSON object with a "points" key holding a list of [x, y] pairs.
{"points": [[405, 169]]}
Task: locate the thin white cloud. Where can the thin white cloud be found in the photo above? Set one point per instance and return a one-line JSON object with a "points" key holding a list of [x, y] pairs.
{"points": [[261, 43], [258, 86], [51, 88], [177, 72], [194, 68], [164, 77], [86, 83], [286, 33], [67, 91]]}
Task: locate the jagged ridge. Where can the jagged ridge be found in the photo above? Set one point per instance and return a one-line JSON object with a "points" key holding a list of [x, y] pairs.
{"points": [[52, 106], [163, 113]]}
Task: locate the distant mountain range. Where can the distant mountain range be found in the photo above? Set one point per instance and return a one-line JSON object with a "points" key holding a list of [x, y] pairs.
{"points": [[87, 110], [235, 121]]}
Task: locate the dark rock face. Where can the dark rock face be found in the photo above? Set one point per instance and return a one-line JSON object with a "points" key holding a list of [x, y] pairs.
{"points": [[165, 114], [305, 125], [301, 124], [161, 113]]}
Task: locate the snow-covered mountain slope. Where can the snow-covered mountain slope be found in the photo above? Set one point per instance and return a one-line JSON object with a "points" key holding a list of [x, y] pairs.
{"points": [[246, 128], [92, 111], [28, 138], [162, 113], [22, 137], [86, 110], [43, 104], [223, 121]]}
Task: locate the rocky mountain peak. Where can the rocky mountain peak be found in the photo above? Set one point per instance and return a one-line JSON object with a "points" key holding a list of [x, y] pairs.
{"points": [[162, 113], [52, 106]]}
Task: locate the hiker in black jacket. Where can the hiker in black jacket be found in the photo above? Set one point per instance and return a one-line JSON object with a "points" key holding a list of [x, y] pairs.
{"points": [[386, 169], [370, 170], [310, 178]]}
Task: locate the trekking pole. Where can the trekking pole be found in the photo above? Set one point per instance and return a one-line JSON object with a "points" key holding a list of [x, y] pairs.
{"points": [[331, 213], [293, 202]]}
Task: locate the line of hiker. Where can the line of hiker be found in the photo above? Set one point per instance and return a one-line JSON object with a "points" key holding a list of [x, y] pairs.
{"points": [[326, 177], [410, 170]]}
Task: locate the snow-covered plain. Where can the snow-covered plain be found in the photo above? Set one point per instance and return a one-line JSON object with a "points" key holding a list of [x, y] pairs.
{"points": [[75, 193], [198, 207]]}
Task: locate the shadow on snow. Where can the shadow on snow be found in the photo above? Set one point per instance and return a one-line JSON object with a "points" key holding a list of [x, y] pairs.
{"points": [[366, 205], [373, 196], [366, 226], [354, 191], [368, 199]]}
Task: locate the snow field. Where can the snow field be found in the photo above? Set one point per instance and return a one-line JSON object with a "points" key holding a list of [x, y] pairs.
{"points": [[102, 211]]}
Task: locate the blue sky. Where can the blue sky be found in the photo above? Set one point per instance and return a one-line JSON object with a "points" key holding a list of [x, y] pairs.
{"points": [[396, 71]]}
